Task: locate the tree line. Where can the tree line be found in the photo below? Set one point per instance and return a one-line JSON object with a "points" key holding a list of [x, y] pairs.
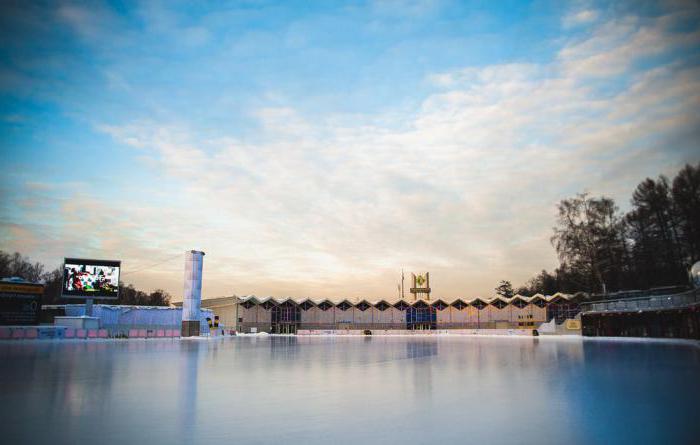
{"points": [[17, 265], [601, 249]]}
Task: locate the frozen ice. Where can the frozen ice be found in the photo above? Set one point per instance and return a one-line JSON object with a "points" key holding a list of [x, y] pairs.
{"points": [[350, 390]]}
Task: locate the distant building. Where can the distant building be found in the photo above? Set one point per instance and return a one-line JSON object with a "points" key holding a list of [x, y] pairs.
{"points": [[289, 315]]}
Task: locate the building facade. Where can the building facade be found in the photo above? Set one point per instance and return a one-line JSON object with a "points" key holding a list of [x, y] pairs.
{"points": [[289, 315]]}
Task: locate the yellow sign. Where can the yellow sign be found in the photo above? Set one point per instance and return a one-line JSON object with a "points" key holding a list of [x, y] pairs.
{"points": [[14, 288], [421, 285], [573, 325]]}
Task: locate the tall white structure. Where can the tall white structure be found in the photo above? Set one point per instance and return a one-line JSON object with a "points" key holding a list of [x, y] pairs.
{"points": [[192, 299]]}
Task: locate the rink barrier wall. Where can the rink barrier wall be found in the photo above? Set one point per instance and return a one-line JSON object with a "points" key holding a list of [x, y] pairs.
{"points": [[346, 332], [68, 333], [115, 321]]}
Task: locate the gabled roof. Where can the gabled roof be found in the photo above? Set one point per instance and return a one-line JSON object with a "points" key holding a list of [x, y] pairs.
{"points": [[251, 298], [455, 302], [399, 303], [558, 297], [268, 302], [343, 302], [305, 300], [439, 301], [498, 301], [378, 304], [519, 300], [287, 300], [307, 303], [366, 303], [459, 302]]}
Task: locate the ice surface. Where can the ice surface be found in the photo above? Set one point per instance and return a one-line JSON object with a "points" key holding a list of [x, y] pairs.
{"points": [[318, 390]]}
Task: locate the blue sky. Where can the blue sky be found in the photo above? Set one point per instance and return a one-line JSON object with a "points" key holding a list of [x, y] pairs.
{"points": [[316, 148]]}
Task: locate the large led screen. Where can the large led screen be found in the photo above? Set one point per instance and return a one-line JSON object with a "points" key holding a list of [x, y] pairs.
{"points": [[90, 278]]}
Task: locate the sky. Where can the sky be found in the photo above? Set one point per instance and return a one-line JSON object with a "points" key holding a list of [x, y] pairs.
{"points": [[316, 149]]}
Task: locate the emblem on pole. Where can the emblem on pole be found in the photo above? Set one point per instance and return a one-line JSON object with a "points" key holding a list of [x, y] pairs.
{"points": [[421, 285]]}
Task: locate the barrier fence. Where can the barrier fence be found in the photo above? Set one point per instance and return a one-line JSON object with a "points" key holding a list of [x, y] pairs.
{"points": [[64, 332], [650, 303]]}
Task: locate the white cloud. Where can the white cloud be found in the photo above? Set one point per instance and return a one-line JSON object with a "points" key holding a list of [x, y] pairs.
{"points": [[615, 46], [464, 186], [580, 17]]}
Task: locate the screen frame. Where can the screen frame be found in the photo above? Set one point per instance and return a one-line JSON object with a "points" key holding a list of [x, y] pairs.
{"points": [[90, 295]]}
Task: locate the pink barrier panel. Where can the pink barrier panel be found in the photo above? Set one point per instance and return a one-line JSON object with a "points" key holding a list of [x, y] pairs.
{"points": [[18, 333], [92, 333], [170, 333], [80, 333], [160, 333], [133, 333], [31, 333], [5, 333], [70, 333], [102, 333], [142, 333]]}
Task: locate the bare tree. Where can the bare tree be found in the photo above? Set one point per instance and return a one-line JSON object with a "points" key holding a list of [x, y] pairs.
{"points": [[588, 236], [16, 265]]}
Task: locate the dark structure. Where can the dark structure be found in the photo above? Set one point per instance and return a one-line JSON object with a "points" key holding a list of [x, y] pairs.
{"points": [[20, 302], [667, 316], [189, 328]]}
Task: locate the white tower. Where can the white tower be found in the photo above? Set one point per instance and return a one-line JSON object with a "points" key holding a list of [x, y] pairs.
{"points": [[192, 299]]}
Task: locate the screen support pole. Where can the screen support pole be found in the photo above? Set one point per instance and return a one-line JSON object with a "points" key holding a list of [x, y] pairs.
{"points": [[88, 307]]}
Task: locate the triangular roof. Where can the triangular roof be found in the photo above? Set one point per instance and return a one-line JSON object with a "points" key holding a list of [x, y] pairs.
{"points": [[398, 303], [439, 301], [459, 302], [455, 302]]}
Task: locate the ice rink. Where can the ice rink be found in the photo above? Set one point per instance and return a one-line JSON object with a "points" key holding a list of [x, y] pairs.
{"points": [[319, 390]]}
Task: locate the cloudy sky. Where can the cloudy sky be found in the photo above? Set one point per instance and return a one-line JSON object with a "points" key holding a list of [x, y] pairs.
{"points": [[316, 148]]}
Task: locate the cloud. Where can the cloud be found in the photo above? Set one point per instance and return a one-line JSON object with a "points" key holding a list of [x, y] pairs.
{"points": [[464, 185], [580, 17], [615, 46]]}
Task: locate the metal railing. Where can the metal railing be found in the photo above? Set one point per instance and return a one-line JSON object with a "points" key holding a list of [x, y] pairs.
{"points": [[649, 303]]}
